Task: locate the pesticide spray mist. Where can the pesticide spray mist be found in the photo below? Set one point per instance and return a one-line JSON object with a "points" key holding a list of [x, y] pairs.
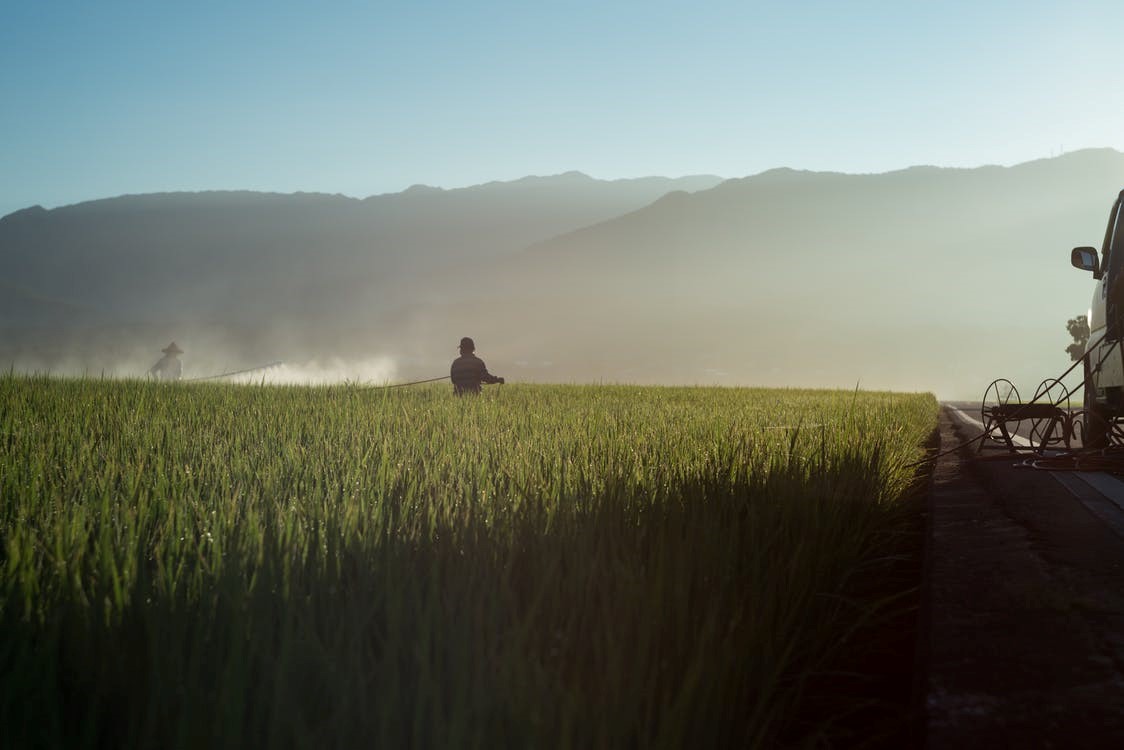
{"points": [[376, 370]]}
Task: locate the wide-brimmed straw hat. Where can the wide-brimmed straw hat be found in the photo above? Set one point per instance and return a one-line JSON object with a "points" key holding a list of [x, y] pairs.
{"points": [[172, 349]]}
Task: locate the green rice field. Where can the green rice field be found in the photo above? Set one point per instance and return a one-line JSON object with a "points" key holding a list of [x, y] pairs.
{"points": [[543, 566]]}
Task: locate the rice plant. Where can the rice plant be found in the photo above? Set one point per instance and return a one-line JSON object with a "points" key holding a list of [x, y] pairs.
{"points": [[543, 566]]}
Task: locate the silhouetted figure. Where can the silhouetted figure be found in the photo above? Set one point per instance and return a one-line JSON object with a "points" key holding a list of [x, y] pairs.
{"points": [[169, 366], [468, 370]]}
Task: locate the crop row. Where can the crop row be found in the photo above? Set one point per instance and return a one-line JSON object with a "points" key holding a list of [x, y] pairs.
{"points": [[545, 565]]}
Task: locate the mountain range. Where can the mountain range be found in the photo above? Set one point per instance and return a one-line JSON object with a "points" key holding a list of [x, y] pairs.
{"points": [[920, 279]]}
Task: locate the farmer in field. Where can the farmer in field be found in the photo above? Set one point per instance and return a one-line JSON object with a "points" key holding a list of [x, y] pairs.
{"points": [[169, 366], [468, 370]]}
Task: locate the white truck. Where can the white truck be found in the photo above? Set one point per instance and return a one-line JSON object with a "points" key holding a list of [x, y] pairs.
{"points": [[1104, 353]]}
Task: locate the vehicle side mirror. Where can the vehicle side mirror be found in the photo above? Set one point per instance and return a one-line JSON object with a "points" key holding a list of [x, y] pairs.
{"points": [[1086, 259]]}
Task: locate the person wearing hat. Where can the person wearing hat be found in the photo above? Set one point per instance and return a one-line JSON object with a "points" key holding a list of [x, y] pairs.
{"points": [[169, 366], [468, 370]]}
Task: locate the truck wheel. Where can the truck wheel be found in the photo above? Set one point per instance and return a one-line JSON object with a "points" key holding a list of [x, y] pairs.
{"points": [[1096, 417]]}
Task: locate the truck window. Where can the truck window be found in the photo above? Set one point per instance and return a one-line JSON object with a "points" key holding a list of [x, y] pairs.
{"points": [[1112, 251]]}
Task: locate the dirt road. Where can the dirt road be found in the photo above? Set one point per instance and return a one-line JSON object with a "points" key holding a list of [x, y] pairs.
{"points": [[1023, 635]]}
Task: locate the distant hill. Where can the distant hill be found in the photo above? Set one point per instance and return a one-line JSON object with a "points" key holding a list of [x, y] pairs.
{"points": [[82, 277], [924, 278]]}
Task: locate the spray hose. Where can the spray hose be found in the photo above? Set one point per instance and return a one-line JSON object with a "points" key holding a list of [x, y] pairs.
{"points": [[279, 362], [401, 385], [235, 372]]}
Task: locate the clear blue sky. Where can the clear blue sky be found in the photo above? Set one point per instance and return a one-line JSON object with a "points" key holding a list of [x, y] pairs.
{"points": [[104, 98]]}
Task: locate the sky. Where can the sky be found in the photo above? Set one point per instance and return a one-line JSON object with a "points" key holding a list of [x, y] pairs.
{"points": [[360, 98]]}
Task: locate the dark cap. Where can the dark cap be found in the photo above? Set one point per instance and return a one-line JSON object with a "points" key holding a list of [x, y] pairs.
{"points": [[467, 343], [172, 349]]}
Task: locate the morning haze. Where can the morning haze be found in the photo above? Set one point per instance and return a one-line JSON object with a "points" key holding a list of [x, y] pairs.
{"points": [[919, 279]]}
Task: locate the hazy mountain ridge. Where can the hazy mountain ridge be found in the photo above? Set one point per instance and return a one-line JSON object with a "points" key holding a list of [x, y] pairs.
{"points": [[275, 267], [923, 278], [932, 278], [133, 257]]}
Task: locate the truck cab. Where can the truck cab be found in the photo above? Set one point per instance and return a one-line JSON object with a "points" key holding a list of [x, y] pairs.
{"points": [[1104, 353]]}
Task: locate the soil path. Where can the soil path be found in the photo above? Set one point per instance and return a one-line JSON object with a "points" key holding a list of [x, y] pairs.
{"points": [[1023, 634]]}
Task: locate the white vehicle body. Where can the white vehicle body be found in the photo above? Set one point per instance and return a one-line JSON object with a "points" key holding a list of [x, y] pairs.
{"points": [[1104, 352]]}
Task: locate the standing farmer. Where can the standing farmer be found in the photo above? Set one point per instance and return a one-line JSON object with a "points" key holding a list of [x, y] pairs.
{"points": [[169, 366], [468, 370]]}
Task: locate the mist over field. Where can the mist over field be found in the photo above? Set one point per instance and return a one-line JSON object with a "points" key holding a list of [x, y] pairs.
{"points": [[921, 279]]}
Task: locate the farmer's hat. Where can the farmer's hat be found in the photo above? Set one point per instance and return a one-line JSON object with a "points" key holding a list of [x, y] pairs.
{"points": [[172, 349]]}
